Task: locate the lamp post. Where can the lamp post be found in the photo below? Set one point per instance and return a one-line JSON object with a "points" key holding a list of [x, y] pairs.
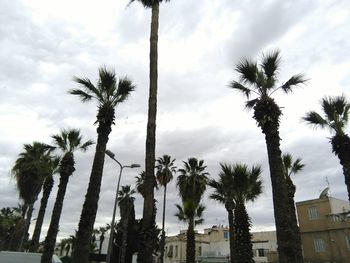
{"points": [[134, 165]]}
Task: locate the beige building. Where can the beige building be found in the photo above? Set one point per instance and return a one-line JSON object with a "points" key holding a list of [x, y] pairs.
{"points": [[325, 229], [213, 246]]}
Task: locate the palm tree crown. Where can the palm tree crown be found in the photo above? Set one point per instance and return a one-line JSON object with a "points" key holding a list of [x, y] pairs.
{"points": [[261, 79], [165, 169], [192, 180], [336, 114], [290, 166], [108, 92], [149, 3], [70, 140]]}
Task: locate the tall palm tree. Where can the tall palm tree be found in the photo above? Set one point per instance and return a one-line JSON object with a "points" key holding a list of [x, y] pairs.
{"points": [[191, 183], [148, 221], [29, 171], [261, 81], [67, 142], [247, 186], [292, 167], [336, 117], [224, 193], [47, 187], [165, 173], [192, 214], [108, 93], [126, 203]]}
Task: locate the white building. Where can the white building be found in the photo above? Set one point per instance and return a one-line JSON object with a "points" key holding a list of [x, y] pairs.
{"points": [[214, 246]]}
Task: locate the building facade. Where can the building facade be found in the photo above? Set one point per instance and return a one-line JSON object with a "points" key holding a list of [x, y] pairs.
{"points": [[325, 229], [213, 246]]}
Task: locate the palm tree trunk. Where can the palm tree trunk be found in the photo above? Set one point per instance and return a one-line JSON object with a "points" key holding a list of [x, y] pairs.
{"points": [[243, 249], [47, 187], [124, 235], [284, 229], [232, 234], [341, 147], [146, 251], [162, 241], [191, 243], [88, 214], [50, 239], [26, 228], [294, 222]]}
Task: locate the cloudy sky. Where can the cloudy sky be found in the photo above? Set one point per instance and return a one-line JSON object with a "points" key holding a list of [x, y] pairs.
{"points": [[43, 44]]}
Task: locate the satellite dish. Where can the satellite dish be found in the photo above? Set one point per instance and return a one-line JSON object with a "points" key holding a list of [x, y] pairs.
{"points": [[324, 193]]}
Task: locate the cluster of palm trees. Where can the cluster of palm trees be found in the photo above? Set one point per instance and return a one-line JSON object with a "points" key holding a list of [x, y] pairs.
{"points": [[36, 165]]}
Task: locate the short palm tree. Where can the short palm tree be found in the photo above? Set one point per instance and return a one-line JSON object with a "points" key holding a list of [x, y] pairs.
{"points": [[47, 187], [108, 93], [292, 167], [336, 117], [261, 81], [67, 142], [126, 204], [148, 220], [29, 171], [102, 231], [224, 193], [192, 214], [247, 186], [191, 183], [165, 173]]}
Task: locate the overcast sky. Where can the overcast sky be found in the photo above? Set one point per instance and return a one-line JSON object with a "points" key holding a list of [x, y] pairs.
{"points": [[43, 44]]}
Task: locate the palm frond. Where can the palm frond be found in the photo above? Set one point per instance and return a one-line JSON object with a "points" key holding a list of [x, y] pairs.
{"points": [[238, 86], [315, 119], [125, 87], [86, 145], [270, 63], [247, 70], [293, 82], [88, 86], [251, 103], [82, 94]]}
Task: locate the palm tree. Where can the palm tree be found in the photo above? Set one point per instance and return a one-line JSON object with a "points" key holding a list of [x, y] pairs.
{"points": [[261, 80], [108, 93], [336, 117], [192, 214], [126, 203], [290, 168], [29, 171], [247, 186], [191, 183], [47, 187], [102, 231], [145, 254], [67, 141], [165, 173], [223, 193]]}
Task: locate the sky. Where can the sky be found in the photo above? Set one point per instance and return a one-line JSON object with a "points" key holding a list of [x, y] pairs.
{"points": [[43, 44]]}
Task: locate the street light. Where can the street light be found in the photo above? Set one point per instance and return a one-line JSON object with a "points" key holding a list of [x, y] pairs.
{"points": [[134, 165]]}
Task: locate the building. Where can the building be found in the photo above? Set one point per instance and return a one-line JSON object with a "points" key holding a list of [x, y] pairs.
{"points": [[325, 229], [213, 246]]}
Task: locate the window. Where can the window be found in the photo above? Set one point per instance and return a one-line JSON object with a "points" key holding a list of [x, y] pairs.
{"points": [[313, 213], [170, 252], [199, 251], [226, 234], [347, 240], [262, 252], [319, 245], [176, 251]]}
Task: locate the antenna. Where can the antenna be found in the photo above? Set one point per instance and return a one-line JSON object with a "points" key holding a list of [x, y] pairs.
{"points": [[328, 185]]}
